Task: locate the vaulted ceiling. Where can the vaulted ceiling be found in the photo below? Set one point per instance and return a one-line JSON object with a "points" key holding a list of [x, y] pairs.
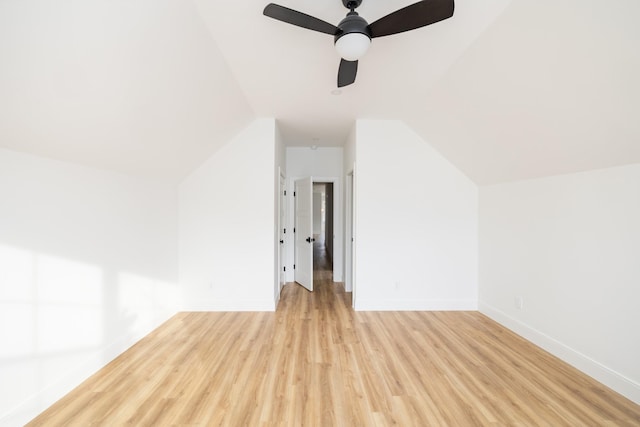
{"points": [[506, 89]]}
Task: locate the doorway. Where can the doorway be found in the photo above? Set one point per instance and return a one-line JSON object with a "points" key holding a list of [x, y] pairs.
{"points": [[315, 246], [327, 201], [323, 230]]}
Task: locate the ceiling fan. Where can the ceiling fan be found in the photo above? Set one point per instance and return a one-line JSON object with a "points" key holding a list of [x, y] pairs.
{"points": [[353, 34]]}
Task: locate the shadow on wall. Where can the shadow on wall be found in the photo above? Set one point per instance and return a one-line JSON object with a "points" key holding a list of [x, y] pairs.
{"points": [[58, 316]]}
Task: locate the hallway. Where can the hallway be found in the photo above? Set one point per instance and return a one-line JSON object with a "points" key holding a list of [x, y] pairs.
{"points": [[322, 263]]}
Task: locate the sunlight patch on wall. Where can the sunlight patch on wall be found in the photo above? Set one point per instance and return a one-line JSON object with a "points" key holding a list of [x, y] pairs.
{"points": [[58, 316], [17, 314], [146, 300], [68, 282], [51, 317], [48, 304]]}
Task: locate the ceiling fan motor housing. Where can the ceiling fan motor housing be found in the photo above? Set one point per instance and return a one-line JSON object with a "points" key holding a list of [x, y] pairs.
{"points": [[352, 23]]}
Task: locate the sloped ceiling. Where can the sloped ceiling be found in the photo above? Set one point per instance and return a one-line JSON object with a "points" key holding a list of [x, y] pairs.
{"points": [[137, 86], [551, 87], [506, 89]]}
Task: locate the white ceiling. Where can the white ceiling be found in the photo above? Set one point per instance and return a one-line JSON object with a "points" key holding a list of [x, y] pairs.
{"points": [[136, 86], [506, 89], [551, 87]]}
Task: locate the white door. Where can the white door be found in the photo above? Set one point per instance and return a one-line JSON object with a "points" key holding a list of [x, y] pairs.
{"points": [[304, 232]]}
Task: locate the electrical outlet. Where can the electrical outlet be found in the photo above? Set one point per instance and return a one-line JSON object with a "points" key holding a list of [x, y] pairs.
{"points": [[519, 301]]}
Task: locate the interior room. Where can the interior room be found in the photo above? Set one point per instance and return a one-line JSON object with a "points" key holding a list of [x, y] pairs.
{"points": [[485, 165]]}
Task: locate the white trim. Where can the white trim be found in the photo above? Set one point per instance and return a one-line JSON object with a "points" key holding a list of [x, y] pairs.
{"points": [[348, 233], [416, 305], [354, 233], [281, 261], [618, 382], [277, 300]]}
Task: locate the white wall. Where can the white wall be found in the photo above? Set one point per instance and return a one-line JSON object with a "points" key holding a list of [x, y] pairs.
{"points": [[416, 219], [88, 265], [227, 236], [349, 151], [570, 247], [321, 163]]}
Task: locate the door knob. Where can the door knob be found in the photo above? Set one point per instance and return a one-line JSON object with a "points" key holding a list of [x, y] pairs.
{"points": [[309, 240], [281, 241]]}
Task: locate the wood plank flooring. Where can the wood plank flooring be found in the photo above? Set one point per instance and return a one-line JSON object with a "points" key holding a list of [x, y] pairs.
{"points": [[317, 362]]}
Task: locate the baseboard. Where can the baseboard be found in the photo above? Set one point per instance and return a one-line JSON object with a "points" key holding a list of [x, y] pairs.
{"points": [[415, 305], [232, 305], [276, 299], [36, 404], [612, 379]]}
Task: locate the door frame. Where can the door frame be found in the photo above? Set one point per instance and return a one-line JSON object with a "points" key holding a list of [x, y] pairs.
{"points": [[282, 221], [338, 219], [280, 249], [350, 235]]}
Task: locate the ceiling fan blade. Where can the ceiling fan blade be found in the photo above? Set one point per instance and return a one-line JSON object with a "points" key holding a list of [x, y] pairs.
{"points": [[347, 72], [414, 16], [299, 19]]}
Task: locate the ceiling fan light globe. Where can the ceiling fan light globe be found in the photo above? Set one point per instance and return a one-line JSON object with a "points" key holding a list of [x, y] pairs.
{"points": [[353, 46]]}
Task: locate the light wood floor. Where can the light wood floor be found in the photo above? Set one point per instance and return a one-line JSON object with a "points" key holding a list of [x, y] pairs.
{"points": [[316, 362]]}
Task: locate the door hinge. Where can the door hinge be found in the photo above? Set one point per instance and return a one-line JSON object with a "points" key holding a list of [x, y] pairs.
{"points": [[294, 229], [285, 192], [294, 266], [294, 194], [284, 268]]}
